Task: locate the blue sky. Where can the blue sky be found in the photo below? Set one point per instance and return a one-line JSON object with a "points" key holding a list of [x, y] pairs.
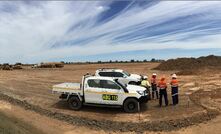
{"points": [[37, 31]]}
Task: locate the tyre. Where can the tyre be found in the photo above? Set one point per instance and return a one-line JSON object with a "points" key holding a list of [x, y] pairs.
{"points": [[131, 105], [74, 103]]}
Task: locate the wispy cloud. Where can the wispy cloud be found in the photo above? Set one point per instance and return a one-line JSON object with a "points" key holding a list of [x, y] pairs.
{"points": [[47, 30]]}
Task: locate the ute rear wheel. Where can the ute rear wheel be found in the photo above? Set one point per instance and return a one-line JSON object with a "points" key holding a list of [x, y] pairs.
{"points": [[74, 103], [131, 105]]}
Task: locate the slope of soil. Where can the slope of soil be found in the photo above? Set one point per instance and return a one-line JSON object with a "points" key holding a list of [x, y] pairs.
{"points": [[190, 63]]}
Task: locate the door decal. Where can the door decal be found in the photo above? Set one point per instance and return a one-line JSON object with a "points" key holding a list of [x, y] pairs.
{"points": [[109, 97]]}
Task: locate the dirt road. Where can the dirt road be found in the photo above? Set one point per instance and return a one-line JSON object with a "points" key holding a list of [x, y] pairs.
{"points": [[33, 86]]}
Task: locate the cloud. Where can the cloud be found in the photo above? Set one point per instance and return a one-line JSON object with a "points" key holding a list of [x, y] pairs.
{"points": [[53, 30]]}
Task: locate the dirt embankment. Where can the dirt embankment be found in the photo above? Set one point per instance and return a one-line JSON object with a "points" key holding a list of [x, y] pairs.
{"points": [[190, 65]]}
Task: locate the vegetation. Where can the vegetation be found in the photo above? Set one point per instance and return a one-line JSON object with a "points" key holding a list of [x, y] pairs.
{"points": [[116, 61]]}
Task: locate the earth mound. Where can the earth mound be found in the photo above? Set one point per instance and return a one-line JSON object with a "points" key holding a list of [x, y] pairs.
{"points": [[210, 61]]}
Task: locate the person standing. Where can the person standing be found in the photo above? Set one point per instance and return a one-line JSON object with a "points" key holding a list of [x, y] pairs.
{"points": [[174, 89], [145, 83], [154, 85], [163, 91]]}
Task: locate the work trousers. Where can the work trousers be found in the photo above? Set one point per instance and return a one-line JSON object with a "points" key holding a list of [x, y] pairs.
{"points": [[175, 95], [163, 93], [154, 91]]}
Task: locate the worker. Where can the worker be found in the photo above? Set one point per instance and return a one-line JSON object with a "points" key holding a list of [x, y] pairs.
{"points": [[163, 91], [174, 89], [154, 85], [145, 83]]}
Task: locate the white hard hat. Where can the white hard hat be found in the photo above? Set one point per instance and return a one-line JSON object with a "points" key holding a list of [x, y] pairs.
{"points": [[154, 74], [145, 77], [174, 76]]}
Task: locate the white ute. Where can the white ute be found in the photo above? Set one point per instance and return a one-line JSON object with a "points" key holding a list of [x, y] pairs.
{"points": [[125, 77], [102, 91]]}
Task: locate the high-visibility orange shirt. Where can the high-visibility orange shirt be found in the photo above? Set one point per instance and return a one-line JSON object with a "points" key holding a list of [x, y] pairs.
{"points": [[174, 83], [162, 85], [153, 81]]}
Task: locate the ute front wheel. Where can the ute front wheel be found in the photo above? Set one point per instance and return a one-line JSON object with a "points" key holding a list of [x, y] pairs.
{"points": [[131, 105], [74, 103]]}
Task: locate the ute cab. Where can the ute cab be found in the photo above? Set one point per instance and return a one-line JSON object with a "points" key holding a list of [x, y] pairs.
{"points": [[124, 76], [102, 91]]}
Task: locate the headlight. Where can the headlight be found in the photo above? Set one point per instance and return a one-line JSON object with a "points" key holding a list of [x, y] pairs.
{"points": [[140, 92]]}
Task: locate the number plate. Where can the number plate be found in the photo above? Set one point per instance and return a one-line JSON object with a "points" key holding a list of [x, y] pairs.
{"points": [[110, 97]]}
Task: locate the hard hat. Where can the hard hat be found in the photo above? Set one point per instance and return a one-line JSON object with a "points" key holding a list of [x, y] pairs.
{"points": [[145, 77], [174, 76], [154, 74]]}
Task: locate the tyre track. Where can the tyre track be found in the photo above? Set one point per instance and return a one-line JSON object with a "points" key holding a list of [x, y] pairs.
{"points": [[107, 125]]}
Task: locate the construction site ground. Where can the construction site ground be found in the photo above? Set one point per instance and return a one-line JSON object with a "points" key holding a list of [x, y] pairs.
{"points": [[26, 98]]}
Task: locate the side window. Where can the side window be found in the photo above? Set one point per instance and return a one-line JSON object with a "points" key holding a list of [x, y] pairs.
{"points": [[103, 74], [94, 83], [107, 74], [111, 74], [109, 84], [118, 74]]}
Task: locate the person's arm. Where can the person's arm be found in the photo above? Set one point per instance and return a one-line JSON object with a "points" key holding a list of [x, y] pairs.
{"points": [[148, 84]]}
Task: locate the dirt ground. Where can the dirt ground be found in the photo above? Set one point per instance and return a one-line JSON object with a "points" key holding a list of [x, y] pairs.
{"points": [[198, 94]]}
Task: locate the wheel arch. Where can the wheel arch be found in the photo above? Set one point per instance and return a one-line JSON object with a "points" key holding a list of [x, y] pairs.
{"points": [[75, 95], [130, 98]]}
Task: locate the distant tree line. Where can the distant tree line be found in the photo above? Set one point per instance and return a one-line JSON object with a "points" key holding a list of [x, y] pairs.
{"points": [[115, 61], [96, 62]]}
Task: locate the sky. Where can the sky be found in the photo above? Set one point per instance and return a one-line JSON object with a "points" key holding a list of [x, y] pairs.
{"points": [[41, 31]]}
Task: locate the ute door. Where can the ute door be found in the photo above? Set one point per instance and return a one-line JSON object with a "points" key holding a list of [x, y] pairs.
{"points": [[93, 91], [112, 93]]}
